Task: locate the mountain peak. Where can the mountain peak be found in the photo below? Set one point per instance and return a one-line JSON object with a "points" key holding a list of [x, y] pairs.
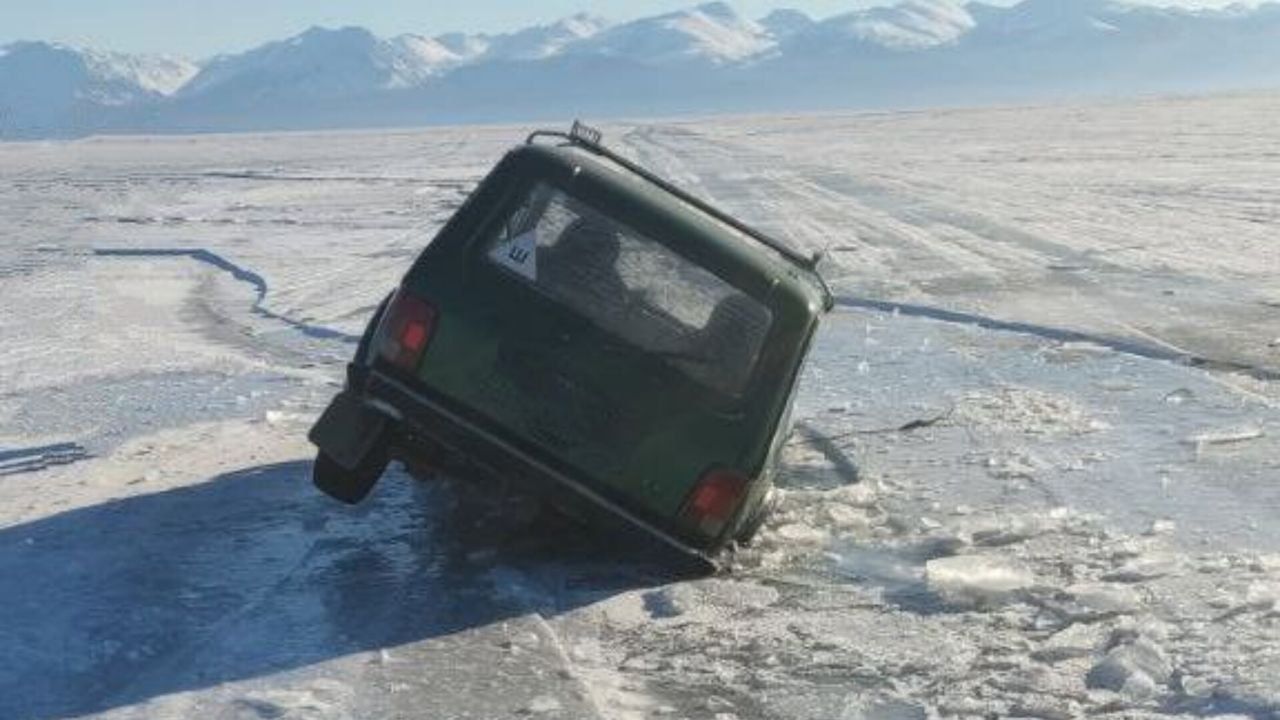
{"points": [[712, 32], [348, 34], [543, 41], [910, 25]]}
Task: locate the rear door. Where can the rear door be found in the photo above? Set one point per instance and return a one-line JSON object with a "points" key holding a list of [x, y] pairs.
{"points": [[610, 350]]}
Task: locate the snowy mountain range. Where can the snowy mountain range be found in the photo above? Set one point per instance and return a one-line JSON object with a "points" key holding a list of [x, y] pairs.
{"points": [[704, 59]]}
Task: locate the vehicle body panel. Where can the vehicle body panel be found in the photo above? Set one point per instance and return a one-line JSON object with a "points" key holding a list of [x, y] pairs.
{"points": [[522, 382]]}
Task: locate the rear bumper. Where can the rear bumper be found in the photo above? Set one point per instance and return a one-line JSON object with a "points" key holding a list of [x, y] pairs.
{"points": [[426, 419]]}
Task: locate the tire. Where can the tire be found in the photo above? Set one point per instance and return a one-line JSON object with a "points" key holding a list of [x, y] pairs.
{"points": [[350, 486]]}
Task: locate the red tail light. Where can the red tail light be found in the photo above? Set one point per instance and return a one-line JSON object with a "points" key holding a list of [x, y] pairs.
{"points": [[714, 501], [406, 330]]}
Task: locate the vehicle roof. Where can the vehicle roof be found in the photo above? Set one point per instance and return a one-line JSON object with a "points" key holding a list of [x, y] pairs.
{"points": [[702, 236]]}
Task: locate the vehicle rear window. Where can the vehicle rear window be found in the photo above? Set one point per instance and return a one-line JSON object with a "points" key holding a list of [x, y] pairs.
{"points": [[635, 288]]}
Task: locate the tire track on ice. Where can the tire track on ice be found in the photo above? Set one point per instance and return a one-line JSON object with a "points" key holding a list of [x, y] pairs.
{"points": [[666, 154]]}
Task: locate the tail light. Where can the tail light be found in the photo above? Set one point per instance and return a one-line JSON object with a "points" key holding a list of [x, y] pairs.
{"points": [[406, 330], [713, 501]]}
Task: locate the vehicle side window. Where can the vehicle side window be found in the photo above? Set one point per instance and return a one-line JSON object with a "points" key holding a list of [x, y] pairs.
{"points": [[638, 290]]}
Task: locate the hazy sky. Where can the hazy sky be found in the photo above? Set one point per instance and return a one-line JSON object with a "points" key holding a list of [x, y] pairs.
{"points": [[198, 28]]}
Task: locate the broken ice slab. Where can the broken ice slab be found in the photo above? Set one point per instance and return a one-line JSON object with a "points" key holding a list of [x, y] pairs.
{"points": [[1135, 667], [1144, 568], [1093, 601], [977, 580], [1226, 436]]}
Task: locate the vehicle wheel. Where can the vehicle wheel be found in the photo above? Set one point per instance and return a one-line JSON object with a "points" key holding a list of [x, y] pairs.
{"points": [[350, 486]]}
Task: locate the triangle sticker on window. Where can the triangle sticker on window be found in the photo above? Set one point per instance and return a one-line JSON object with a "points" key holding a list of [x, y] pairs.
{"points": [[520, 255]]}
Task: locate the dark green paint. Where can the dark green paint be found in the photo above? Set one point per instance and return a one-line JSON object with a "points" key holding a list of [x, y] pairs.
{"points": [[623, 418]]}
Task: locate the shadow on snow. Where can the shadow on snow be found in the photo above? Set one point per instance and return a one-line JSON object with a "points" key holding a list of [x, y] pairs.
{"points": [[254, 573]]}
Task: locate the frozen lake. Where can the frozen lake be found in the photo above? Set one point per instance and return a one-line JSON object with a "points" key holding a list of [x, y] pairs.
{"points": [[1034, 474]]}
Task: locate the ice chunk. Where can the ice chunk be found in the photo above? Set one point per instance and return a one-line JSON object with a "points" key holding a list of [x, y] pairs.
{"points": [[1263, 596], [1008, 530], [861, 495], [977, 579], [848, 519], [1144, 568], [543, 705], [802, 534], [1228, 436], [1078, 640], [1196, 687], [1135, 667], [1096, 601], [1047, 708]]}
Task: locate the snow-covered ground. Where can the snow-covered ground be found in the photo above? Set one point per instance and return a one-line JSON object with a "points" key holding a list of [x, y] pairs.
{"points": [[1043, 487]]}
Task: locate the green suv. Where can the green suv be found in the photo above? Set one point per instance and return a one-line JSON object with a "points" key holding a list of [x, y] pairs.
{"points": [[585, 329]]}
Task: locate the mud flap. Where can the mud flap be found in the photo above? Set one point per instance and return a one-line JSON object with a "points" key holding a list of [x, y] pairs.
{"points": [[353, 449], [348, 486]]}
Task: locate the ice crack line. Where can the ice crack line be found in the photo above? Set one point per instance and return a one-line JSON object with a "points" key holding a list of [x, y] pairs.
{"points": [[1120, 345], [242, 274]]}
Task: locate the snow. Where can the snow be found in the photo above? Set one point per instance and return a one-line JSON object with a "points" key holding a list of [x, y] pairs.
{"points": [[109, 77], [545, 41], [713, 32], [415, 59], [1029, 411], [162, 75], [910, 25], [322, 63], [975, 518], [706, 59]]}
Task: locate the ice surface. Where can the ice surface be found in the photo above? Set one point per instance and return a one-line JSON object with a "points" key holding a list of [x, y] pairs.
{"points": [[1028, 411], [1047, 545]]}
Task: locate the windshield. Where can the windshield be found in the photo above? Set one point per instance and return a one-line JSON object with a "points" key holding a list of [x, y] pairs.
{"points": [[635, 288]]}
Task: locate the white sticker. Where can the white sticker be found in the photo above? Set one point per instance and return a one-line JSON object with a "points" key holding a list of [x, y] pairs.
{"points": [[519, 254]]}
